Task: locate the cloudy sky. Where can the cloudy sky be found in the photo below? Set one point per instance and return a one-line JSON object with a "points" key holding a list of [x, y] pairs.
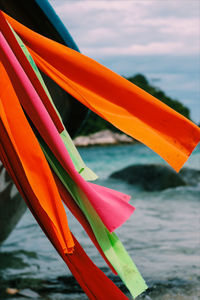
{"points": [[158, 38]]}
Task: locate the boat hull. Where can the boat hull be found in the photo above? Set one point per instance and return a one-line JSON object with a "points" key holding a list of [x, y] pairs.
{"points": [[12, 206], [40, 17]]}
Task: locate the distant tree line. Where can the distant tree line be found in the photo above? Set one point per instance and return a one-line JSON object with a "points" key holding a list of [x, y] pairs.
{"points": [[95, 123]]}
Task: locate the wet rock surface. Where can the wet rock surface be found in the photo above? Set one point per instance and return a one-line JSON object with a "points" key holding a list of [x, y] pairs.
{"points": [[191, 176], [155, 177]]}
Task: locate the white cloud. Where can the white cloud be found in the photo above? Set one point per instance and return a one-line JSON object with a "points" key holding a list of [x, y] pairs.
{"points": [[150, 49], [142, 26], [159, 38]]}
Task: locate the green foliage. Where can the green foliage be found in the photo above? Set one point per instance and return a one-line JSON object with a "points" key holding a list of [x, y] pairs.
{"points": [[95, 123]]}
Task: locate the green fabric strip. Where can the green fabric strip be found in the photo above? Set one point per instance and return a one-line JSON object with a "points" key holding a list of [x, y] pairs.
{"points": [[80, 166], [109, 242]]}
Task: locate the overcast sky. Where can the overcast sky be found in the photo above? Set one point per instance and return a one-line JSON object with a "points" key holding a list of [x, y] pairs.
{"points": [[158, 38]]}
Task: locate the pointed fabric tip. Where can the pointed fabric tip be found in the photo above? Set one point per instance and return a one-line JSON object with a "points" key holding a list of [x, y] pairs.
{"points": [[140, 115], [109, 242], [79, 215]]}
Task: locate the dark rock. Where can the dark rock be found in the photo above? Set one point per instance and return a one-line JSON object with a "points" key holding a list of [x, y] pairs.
{"points": [[191, 176], [151, 177]]}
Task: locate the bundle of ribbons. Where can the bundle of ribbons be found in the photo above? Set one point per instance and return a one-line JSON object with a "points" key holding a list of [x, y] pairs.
{"points": [[44, 164]]}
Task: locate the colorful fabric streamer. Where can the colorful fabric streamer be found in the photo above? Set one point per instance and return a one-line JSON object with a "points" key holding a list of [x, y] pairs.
{"points": [[99, 210], [114, 98], [76, 157]]}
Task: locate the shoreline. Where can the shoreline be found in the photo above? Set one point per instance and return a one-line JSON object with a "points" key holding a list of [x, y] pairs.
{"points": [[103, 138]]}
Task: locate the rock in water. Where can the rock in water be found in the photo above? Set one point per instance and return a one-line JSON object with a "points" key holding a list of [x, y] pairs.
{"points": [[191, 176], [150, 177]]}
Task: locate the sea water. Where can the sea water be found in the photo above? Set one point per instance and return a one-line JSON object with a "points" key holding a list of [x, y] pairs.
{"points": [[162, 237]]}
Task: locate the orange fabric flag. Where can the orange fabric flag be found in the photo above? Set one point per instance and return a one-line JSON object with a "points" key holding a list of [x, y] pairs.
{"points": [[47, 199], [114, 98]]}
